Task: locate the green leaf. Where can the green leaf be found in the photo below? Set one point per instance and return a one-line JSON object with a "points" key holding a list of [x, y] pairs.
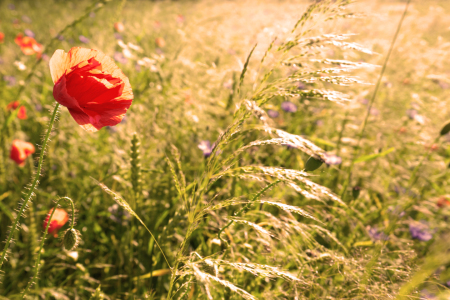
{"points": [[312, 164], [445, 129], [373, 156]]}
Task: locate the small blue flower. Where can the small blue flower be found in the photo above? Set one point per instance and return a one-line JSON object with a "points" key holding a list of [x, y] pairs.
{"points": [[206, 148], [288, 106], [83, 39], [273, 113], [420, 231]]}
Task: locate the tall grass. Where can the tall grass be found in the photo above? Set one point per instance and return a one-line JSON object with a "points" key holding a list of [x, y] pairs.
{"points": [[250, 164]]}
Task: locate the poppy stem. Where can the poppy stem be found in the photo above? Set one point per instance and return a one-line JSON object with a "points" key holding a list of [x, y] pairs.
{"points": [[33, 186], [38, 258]]}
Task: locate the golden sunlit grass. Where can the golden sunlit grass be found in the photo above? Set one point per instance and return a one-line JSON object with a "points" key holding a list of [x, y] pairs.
{"points": [[229, 176]]}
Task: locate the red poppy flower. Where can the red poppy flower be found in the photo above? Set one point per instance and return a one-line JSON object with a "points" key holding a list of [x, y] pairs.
{"points": [[91, 86], [22, 113], [442, 202], [20, 150], [28, 45], [2, 37], [119, 27], [13, 105], [60, 217]]}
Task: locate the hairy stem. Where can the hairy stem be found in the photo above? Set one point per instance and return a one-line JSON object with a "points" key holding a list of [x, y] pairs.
{"points": [[34, 184], [38, 258]]}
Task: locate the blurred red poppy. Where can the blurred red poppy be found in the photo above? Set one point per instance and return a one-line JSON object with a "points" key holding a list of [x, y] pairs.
{"points": [[22, 113], [28, 45], [442, 201], [119, 27], [13, 105], [60, 217], [20, 150], [160, 42], [91, 86], [2, 37]]}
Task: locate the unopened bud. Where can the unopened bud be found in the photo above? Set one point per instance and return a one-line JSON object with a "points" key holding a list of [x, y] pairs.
{"points": [[71, 239]]}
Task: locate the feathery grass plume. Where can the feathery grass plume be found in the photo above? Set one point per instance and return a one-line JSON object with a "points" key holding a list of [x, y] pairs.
{"points": [[136, 169]]}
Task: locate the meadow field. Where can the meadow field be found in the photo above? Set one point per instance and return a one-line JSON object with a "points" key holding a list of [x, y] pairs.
{"points": [[269, 149]]}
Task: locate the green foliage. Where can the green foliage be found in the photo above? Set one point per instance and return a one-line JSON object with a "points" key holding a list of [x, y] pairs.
{"points": [[164, 216]]}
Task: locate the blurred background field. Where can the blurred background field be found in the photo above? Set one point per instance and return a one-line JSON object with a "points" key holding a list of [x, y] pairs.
{"points": [[184, 60]]}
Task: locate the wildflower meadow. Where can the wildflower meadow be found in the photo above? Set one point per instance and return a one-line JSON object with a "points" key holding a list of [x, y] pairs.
{"points": [[224, 149]]}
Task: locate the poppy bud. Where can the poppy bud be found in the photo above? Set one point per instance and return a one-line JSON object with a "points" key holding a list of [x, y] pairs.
{"points": [[71, 239]]}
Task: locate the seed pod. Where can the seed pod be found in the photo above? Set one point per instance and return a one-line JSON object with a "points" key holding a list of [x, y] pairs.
{"points": [[313, 164], [71, 239]]}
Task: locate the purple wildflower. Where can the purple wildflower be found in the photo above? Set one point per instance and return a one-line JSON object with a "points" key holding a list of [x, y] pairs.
{"points": [[301, 86], [26, 19], [45, 57], [374, 111], [60, 37], [411, 113], [138, 67], [444, 85], [206, 148], [288, 106], [377, 235], [10, 80], [119, 57], [83, 39], [111, 129], [119, 215], [11, 6], [420, 231], [364, 101], [29, 32], [38, 107], [273, 113], [427, 295], [117, 36], [92, 14], [332, 159], [319, 123]]}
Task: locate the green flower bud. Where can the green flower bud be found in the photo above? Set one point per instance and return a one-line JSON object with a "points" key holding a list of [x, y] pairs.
{"points": [[71, 239]]}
